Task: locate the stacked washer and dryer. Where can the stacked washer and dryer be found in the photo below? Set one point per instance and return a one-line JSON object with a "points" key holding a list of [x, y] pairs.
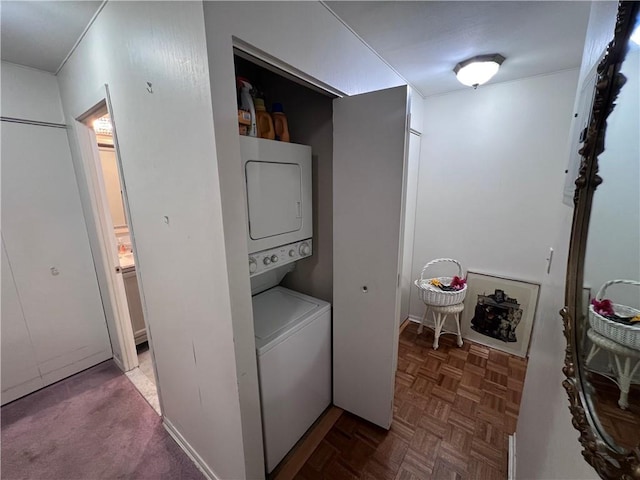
{"points": [[292, 330]]}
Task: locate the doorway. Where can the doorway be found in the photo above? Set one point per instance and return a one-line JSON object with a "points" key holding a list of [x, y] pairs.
{"points": [[131, 338]]}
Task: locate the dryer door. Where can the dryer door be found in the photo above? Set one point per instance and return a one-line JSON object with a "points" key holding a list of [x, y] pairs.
{"points": [[274, 195]]}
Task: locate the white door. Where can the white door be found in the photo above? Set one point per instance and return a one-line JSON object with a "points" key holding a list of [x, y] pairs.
{"points": [[106, 256], [20, 374], [111, 177], [47, 252], [411, 194], [370, 134]]}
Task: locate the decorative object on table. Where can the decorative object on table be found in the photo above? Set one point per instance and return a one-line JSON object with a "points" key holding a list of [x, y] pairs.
{"points": [[443, 297], [442, 291], [499, 312], [614, 321]]}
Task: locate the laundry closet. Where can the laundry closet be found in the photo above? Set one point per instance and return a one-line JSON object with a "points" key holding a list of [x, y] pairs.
{"points": [[340, 280], [284, 203]]}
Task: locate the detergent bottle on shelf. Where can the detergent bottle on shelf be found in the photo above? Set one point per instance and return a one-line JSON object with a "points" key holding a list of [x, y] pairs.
{"points": [[264, 123], [280, 123], [246, 103]]}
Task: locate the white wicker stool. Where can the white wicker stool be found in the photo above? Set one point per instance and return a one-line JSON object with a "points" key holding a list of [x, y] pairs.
{"points": [[623, 361], [439, 317]]}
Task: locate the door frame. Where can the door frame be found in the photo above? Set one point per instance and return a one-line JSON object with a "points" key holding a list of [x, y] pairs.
{"points": [[117, 310]]}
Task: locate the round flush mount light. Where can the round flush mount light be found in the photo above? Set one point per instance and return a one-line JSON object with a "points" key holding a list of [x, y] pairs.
{"points": [[478, 70]]}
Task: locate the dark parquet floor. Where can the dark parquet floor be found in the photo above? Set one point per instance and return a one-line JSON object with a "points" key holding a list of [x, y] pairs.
{"points": [[623, 426], [454, 410]]}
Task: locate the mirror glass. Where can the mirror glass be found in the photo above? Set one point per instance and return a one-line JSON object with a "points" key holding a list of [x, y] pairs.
{"points": [[609, 341]]}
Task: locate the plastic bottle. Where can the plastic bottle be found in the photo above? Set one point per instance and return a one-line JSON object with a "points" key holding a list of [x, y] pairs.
{"points": [[246, 103], [264, 123], [280, 123]]}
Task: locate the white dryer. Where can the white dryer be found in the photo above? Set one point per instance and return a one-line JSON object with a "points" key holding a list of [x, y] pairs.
{"points": [[278, 181], [293, 343]]}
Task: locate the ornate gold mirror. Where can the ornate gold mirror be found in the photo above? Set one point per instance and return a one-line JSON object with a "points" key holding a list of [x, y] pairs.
{"points": [[602, 361]]}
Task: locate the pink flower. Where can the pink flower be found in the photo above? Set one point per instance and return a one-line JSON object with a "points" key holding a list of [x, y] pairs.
{"points": [[603, 307], [458, 283]]}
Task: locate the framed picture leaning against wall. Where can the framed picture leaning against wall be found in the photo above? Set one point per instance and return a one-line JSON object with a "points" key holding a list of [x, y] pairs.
{"points": [[499, 312]]}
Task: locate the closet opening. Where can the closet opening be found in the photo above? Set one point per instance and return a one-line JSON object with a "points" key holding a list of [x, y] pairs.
{"points": [[288, 174]]}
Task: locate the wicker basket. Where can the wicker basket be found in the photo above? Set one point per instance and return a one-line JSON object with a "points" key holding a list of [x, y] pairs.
{"points": [[432, 295], [628, 335]]}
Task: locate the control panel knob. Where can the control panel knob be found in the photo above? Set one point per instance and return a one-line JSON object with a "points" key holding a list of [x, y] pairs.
{"points": [[274, 258], [266, 260], [292, 253], [253, 266], [304, 249]]}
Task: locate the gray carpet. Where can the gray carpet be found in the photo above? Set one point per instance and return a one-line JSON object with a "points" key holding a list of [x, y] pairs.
{"points": [[93, 425]]}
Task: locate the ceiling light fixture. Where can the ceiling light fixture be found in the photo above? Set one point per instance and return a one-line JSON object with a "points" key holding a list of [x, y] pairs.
{"points": [[102, 126], [478, 70]]}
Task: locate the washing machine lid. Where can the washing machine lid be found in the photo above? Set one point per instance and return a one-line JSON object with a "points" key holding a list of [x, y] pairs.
{"points": [[278, 311]]}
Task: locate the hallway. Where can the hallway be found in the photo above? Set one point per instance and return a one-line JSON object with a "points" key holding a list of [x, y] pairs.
{"points": [[93, 425], [454, 410]]}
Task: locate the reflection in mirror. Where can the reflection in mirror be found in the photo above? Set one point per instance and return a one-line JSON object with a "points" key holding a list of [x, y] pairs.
{"points": [[611, 347], [602, 361]]}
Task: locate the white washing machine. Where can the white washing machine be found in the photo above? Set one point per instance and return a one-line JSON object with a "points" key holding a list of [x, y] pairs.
{"points": [[293, 343]]}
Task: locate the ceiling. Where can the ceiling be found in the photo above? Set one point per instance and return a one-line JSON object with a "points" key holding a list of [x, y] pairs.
{"points": [[41, 34], [422, 41]]}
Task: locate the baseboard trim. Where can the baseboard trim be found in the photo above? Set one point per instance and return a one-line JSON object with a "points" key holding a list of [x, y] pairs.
{"points": [[511, 472], [408, 320], [191, 453], [404, 324]]}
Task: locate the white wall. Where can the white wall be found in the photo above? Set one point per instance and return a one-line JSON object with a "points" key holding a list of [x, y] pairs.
{"points": [[30, 94], [53, 324], [491, 160], [308, 38], [547, 443], [501, 151], [613, 247], [169, 165]]}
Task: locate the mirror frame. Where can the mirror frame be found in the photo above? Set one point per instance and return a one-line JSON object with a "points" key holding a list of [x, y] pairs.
{"points": [[609, 460]]}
